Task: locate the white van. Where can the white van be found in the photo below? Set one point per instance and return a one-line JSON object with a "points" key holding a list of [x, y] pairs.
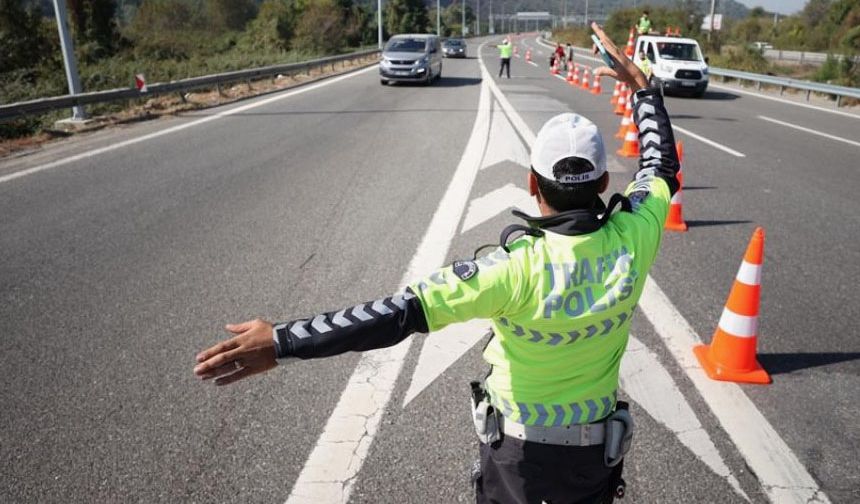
{"points": [[676, 63]]}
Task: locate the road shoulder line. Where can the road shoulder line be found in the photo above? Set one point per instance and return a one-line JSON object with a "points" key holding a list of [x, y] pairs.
{"points": [[180, 127], [809, 130]]}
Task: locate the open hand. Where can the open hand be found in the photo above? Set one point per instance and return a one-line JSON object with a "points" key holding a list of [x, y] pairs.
{"points": [[625, 70], [250, 351]]}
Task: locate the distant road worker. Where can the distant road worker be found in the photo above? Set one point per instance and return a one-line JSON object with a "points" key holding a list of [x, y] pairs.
{"points": [[644, 26], [506, 50]]}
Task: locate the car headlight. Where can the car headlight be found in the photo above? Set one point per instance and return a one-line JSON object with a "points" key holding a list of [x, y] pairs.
{"points": [[422, 61], [665, 68], [384, 62], [705, 71]]}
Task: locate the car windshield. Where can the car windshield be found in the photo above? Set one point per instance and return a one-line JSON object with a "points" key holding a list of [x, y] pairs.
{"points": [[679, 51], [406, 45], [454, 43]]}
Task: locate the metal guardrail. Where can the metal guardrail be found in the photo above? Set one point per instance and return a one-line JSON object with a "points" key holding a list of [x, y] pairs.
{"points": [[20, 109], [784, 82], [801, 56]]}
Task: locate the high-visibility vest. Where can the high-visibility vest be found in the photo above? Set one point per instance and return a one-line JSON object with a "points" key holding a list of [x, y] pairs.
{"points": [[506, 50], [560, 309]]}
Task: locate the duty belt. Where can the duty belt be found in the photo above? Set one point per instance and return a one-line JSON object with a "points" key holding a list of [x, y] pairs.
{"points": [[564, 435]]}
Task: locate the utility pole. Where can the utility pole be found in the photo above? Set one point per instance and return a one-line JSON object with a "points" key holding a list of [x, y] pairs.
{"points": [[478, 20], [379, 23], [564, 13], [713, 7], [68, 48], [492, 27], [586, 13], [438, 20]]}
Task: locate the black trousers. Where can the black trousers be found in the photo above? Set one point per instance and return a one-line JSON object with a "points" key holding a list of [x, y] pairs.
{"points": [[506, 65], [521, 472]]}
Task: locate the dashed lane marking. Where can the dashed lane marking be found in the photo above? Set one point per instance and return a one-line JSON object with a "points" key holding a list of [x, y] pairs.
{"points": [[809, 130], [708, 141]]}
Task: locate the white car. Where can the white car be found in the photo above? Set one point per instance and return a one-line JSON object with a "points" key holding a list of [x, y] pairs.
{"points": [[677, 64]]}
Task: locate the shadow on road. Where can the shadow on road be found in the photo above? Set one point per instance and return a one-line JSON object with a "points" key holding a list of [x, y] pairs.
{"points": [[458, 81], [691, 116], [706, 223], [699, 188], [781, 363], [719, 96]]}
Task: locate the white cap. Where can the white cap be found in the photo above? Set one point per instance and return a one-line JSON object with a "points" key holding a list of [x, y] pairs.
{"points": [[569, 135]]}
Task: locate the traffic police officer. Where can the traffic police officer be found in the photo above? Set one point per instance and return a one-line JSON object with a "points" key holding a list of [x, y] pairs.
{"points": [[560, 299], [506, 50]]}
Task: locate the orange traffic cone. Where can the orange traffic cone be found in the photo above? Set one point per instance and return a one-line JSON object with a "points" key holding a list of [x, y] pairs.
{"points": [[569, 73], [516, 50], [595, 85], [630, 147], [675, 218], [615, 92], [625, 123], [622, 101], [585, 76], [628, 51], [528, 54], [731, 356], [575, 81]]}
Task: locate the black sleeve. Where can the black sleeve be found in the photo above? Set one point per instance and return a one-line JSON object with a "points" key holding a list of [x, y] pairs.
{"points": [[657, 152], [367, 326]]}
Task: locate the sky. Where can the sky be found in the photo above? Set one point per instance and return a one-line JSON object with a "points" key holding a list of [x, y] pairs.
{"points": [[781, 6]]}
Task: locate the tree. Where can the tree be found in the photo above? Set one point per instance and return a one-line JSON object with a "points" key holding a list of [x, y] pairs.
{"points": [[94, 26], [230, 14], [320, 28], [406, 16], [21, 38], [273, 27]]}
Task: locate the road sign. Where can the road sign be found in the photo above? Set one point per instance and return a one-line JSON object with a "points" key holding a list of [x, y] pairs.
{"points": [[718, 22]]}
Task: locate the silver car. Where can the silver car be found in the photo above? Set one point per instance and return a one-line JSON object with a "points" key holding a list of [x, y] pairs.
{"points": [[411, 58]]}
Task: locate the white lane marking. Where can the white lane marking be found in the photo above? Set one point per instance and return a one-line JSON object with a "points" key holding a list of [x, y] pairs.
{"points": [[329, 473], [780, 473], [503, 144], [532, 63], [484, 208], [809, 130], [783, 100], [440, 350], [644, 378], [179, 127], [708, 141]]}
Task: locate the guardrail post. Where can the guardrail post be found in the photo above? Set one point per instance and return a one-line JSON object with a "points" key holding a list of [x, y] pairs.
{"points": [[781, 90], [838, 101], [182, 97], [808, 92], [249, 85], [220, 91], [758, 85], [801, 57]]}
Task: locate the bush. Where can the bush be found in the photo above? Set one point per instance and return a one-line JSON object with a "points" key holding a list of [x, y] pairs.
{"points": [[320, 28]]}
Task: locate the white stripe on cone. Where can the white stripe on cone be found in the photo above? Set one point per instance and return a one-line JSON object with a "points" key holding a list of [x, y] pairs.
{"points": [[741, 326], [749, 273]]}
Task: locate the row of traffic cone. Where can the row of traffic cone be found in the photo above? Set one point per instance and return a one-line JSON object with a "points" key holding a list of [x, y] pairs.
{"points": [[731, 355], [574, 80]]}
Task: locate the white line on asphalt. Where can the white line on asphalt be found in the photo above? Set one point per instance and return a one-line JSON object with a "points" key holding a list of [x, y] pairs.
{"points": [[644, 378], [709, 142], [780, 473], [532, 63], [179, 127], [330, 471], [809, 130], [783, 100]]}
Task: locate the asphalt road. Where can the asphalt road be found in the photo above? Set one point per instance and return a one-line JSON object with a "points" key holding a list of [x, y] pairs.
{"points": [[117, 267]]}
